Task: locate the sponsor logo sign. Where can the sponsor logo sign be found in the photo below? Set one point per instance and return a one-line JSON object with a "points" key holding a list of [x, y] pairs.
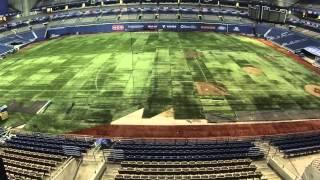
{"points": [[222, 28], [183, 26], [169, 26], [137, 26], [207, 27], [152, 26], [236, 29], [117, 27]]}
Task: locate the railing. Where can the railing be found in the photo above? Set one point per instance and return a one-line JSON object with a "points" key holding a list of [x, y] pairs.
{"points": [[60, 169]]}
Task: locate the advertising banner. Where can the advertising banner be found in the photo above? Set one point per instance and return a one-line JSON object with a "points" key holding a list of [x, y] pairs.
{"points": [[243, 29], [152, 26]]}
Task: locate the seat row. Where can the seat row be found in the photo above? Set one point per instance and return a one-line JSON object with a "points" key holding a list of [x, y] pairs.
{"points": [[211, 146], [181, 143], [29, 166], [33, 147], [295, 140], [24, 173], [298, 145], [183, 164], [186, 152], [295, 145], [40, 144], [58, 138], [226, 176], [255, 155], [301, 151], [35, 154], [186, 171], [12, 176], [29, 159], [33, 143], [52, 141]]}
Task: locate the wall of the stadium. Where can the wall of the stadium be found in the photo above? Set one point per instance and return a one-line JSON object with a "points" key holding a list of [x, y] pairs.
{"points": [[164, 26], [23, 5], [3, 7], [311, 173]]}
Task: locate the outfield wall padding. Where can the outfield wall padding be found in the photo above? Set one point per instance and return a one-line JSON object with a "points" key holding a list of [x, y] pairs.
{"points": [[152, 26], [202, 131]]}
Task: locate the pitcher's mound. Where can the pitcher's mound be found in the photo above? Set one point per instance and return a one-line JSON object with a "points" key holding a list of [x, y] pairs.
{"points": [[252, 70], [192, 54], [312, 89], [209, 89]]}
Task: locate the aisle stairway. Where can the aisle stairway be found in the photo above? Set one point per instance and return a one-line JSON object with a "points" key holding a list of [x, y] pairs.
{"points": [[93, 164]]}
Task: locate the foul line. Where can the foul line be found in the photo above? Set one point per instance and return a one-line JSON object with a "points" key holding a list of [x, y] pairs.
{"points": [[61, 90], [201, 70], [96, 81]]}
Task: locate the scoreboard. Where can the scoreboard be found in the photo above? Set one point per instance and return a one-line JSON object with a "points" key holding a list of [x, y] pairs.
{"points": [[254, 12], [3, 7], [265, 13], [276, 16]]}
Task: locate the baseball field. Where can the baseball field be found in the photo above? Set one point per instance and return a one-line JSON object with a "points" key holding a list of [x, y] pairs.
{"points": [[94, 79]]}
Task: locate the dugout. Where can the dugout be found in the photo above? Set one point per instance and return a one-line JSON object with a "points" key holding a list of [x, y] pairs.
{"points": [[312, 53], [4, 112]]}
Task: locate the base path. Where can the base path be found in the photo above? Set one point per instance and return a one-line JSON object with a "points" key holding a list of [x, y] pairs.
{"points": [[209, 89], [202, 131], [253, 70]]}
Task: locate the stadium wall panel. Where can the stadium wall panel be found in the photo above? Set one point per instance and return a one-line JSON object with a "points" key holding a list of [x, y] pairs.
{"points": [[162, 26]]}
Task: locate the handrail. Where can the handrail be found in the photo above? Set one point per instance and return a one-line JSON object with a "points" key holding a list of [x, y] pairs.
{"points": [[60, 169]]}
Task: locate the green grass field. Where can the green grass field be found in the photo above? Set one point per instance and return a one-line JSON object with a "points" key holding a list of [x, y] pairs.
{"points": [[108, 78]]}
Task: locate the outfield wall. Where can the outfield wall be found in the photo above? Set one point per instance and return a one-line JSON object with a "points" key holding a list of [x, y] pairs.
{"points": [[152, 26]]}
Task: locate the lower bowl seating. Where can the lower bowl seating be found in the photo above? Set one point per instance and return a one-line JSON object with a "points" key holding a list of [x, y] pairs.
{"points": [[38, 156], [201, 160]]}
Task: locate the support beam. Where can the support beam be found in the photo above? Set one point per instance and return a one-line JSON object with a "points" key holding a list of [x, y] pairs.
{"points": [[26, 8]]}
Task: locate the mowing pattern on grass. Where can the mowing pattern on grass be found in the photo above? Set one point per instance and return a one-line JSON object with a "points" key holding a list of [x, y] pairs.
{"points": [[102, 77]]}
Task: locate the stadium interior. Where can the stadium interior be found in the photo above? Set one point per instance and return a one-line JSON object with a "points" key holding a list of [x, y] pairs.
{"points": [[160, 89]]}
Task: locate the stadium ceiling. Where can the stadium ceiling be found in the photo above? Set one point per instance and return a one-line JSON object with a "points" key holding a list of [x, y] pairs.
{"points": [[287, 3], [280, 3]]}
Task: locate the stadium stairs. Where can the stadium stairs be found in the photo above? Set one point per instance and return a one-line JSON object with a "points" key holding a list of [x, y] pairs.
{"points": [[92, 165]]}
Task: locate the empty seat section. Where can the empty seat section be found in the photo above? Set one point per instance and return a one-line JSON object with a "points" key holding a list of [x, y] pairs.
{"points": [[187, 159], [35, 156], [299, 144]]}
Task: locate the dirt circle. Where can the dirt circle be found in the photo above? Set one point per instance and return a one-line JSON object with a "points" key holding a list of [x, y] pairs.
{"points": [[312, 89], [210, 89], [192, 54], [253, 70]]}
